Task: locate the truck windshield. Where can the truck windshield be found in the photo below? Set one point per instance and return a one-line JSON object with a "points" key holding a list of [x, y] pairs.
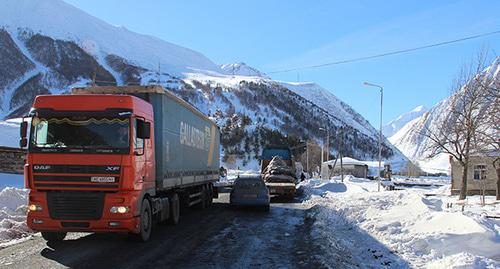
{"points": [[80, 134]]}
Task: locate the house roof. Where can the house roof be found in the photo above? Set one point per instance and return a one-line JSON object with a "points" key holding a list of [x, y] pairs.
{"points": [[346, 161]]}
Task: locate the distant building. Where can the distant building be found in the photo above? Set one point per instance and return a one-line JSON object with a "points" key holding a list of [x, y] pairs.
{"points": [[481, 174], [350, 167]]}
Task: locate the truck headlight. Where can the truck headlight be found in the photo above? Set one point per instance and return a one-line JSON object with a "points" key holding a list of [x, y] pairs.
{"points": [[34, 207], [119, 209]]}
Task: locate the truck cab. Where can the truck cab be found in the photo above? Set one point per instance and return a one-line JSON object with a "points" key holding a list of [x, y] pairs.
{"points": [[90, 162]]}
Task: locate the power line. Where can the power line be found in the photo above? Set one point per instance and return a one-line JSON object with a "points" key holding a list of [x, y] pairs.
{"points": [[385, 54]]}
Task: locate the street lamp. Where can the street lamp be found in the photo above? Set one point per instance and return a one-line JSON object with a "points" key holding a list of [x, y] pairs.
{"points": [[327, 143], [322, 148], [380, 131]]}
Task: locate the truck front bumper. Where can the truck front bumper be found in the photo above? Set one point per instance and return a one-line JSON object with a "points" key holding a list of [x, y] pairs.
{"points": [[43, 220], [41, 224]]}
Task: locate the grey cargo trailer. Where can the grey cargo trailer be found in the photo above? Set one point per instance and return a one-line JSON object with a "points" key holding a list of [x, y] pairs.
{"points": [[187, 143]]}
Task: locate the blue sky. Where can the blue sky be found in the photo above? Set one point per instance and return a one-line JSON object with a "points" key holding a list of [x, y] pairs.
{"points": [[274, 35]]}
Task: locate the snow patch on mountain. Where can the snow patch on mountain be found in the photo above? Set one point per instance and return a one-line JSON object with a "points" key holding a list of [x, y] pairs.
{"points": [[395, 125], [9, 131], [242, 69]]}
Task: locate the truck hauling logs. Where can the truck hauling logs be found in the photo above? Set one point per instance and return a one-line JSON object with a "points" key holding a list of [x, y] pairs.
{"points": [[116, 159], [278, 172]]}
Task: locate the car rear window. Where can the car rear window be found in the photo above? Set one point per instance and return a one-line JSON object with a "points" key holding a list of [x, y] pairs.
{"points": [[249, 183]]}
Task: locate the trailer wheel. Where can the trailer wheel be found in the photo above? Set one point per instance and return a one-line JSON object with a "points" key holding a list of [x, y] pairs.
{"points": [[53, 237], [175, 209], [146, 222]]}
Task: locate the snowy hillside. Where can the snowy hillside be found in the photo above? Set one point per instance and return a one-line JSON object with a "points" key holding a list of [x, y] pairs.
{"points": [[62, 21], [48, 47], [242, 69], [9, 131], [411, 141], [395, 125]]}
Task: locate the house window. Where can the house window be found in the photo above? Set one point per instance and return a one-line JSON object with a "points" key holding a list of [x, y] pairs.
{"points": [[479, 172]]}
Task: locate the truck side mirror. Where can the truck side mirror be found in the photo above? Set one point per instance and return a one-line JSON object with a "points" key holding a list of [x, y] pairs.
{"points": [[143, 129], [23, 141]]}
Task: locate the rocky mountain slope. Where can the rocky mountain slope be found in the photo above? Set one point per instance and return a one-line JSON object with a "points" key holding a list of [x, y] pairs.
{"points": [[48, 46], [411, 139]]}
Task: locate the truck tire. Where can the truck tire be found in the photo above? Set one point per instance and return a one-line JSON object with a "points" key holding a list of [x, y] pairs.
{"points": [[53, 237], [175, 209], [146, 222]]}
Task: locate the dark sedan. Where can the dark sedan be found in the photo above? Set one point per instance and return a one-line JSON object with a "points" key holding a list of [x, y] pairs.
{"points": [[250, 191]]}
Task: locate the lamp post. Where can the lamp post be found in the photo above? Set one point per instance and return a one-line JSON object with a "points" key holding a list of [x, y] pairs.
{"points": [[380, 131], [322, 149]]}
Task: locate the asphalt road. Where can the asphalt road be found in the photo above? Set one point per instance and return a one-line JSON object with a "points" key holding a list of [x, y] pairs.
{"points": [[217, 237]]}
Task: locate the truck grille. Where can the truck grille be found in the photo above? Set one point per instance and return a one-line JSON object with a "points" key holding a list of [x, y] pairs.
{"points": [[75, 205]]}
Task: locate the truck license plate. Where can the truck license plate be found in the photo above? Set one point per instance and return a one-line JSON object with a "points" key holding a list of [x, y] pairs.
{"points": [[250, 195], [102, 179]]}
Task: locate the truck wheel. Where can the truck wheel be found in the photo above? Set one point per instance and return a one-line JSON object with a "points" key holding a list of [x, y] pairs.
{"points": [[175, 211], [146, 222], [53, 237]]}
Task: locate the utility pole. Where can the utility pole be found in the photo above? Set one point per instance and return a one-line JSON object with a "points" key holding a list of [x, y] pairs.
{"points": [[327, 145], [380, 131], [307, 156], [159, 74]]}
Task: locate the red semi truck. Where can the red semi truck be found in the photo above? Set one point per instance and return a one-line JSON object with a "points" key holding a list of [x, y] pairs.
{"points": [[116, 159]]}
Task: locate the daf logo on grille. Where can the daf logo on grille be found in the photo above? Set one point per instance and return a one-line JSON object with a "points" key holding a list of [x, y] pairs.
{"points": [[41, 167], [102, 179], [112, 168]]}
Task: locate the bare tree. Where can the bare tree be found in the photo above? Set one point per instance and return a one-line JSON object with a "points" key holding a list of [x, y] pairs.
{"points": [[458, 131], [488, 136]]}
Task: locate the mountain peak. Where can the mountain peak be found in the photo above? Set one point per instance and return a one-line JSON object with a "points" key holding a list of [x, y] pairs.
{"points": [[242, 69], [395, 125], [419, 108]]}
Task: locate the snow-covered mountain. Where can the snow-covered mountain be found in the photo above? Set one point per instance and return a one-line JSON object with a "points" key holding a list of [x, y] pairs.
{"points": [[410, 139], [395, 125], [62, 21], [48, 46], [242, 69]]}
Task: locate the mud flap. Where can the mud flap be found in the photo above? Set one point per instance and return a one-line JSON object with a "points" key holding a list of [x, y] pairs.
{"points": [[215, 191]]}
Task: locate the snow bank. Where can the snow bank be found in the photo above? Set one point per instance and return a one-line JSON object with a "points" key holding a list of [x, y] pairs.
{"points": [[423, 230], [13, 209]]}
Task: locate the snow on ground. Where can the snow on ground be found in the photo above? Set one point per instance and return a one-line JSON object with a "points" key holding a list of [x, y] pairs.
{"points": [[436, 181], [13, 207], [423, 230]]}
